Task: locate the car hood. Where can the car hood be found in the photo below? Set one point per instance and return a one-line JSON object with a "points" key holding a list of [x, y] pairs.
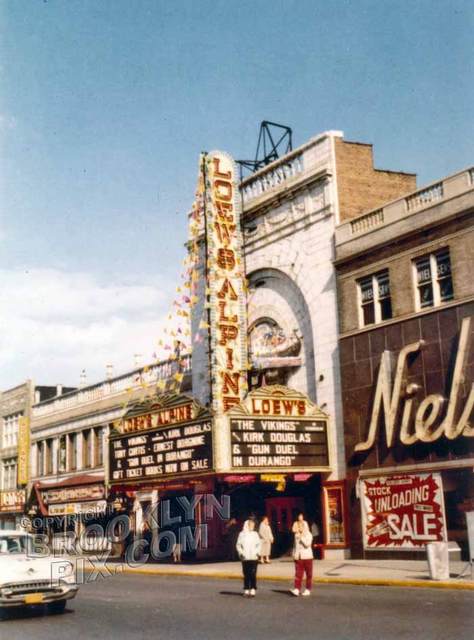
{"points": [[23, 568]]}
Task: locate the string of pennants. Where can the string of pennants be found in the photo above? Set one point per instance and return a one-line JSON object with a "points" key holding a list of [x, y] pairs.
{"points": [[177, 341]]}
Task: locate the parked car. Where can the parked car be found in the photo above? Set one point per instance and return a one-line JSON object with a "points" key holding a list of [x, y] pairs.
{"points": [[30, 578]]}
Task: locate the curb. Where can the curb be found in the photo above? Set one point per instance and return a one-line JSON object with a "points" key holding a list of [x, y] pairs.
{"points": [[369, 582]]}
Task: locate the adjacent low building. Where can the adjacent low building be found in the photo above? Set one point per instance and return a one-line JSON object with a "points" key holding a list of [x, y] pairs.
{"points": [[406, 344], [15, 413], [69, 455]]}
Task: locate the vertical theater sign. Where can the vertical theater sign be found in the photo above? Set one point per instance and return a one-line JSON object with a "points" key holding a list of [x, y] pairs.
{"points": [[226, 277]]}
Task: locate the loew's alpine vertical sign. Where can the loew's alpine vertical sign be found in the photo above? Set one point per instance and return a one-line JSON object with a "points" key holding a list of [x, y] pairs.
{"points": [[226, 282]]}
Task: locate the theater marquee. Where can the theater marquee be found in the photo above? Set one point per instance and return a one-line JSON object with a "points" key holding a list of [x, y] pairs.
{"points": [[167, 436], [278, 428]]}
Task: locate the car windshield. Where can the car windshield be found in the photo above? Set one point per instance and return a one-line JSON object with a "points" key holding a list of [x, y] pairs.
{"points": [[15, 544]]}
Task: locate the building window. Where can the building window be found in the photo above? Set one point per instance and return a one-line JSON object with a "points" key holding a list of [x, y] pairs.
{"points": [[49, 457], [433, 279], [9, 470], [10, 430], [375, 300], [62, 458], [98, 447], [40, 458], [72, 454], [87, 449]]}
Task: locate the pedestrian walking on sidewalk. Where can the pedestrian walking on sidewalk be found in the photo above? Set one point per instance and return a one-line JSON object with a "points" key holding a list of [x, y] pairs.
{"points": [[303, 556], [266, 537], [248, 547]]}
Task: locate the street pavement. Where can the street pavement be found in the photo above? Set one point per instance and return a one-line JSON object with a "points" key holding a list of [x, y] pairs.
{"points": [[184, 608], [359, 571]]}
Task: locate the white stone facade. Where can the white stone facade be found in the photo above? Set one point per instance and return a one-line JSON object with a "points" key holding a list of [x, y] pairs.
{"points": [[289, 222]]}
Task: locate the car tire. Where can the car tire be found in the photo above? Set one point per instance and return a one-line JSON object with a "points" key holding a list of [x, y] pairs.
{"points": [[56, 607]]}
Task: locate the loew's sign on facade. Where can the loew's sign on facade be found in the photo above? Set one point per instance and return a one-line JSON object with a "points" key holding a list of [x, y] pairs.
{"points": [[278, 428], [181, 444], [403, 512]]}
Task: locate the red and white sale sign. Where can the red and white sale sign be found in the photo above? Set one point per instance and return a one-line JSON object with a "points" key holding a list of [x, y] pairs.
{"points": [[403, 512]]}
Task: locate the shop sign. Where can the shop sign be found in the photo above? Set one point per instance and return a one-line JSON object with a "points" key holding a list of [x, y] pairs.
{"points": [[403, 512], [435, 415], [23, 450], [291, 435], [278, 479], [226, 279], [74, 494], [11, 501], [77, 508], [272, 477]]}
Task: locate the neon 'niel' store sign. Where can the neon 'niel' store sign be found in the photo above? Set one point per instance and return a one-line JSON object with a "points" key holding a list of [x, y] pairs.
{"points": [[427, 427]]}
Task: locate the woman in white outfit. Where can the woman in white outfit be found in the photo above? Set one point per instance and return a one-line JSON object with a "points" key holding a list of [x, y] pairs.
{"points": [[248, 547], [266, 536], [303, 556]]}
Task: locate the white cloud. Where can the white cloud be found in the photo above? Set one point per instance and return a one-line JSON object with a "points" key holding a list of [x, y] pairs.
{"points": [[53, 324]]}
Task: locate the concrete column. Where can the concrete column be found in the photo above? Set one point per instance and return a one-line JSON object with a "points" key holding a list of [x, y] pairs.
{"points": [[55, 456]]}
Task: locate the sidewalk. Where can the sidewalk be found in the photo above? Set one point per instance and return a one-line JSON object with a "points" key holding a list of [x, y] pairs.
{"points": [[359, 572]]}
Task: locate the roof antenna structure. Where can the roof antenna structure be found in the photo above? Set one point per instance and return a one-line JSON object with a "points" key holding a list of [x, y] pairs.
{"points": [[274, 140]]}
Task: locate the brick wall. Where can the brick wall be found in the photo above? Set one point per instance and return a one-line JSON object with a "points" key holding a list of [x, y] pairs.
{"points": [[402, 286], [431, 368], [360, 186]]}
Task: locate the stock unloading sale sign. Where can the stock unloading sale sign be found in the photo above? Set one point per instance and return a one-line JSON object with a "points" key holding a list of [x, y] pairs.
{"points": [[403, 512]]}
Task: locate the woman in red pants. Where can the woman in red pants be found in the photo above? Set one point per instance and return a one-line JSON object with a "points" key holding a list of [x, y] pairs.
{"points": [[303, 556]]}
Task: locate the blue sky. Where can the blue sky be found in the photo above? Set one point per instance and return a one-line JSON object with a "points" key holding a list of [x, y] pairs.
{"points": [[105, 106]]}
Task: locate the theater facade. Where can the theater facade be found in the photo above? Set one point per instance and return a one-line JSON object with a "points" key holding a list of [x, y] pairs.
{"points": [[258, 420]]}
